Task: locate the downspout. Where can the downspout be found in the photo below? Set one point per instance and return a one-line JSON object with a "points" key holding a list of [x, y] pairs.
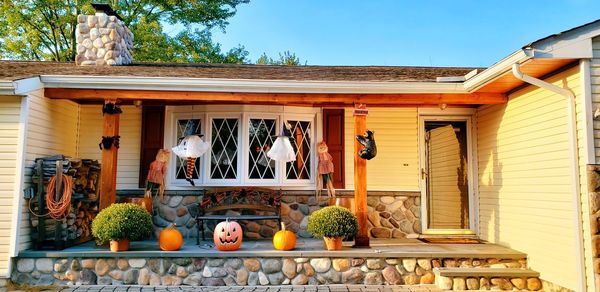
{"points": [[574, 148]]}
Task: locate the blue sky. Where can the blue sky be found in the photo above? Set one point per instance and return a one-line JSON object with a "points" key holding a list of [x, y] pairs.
{"points": [[387, 32]]}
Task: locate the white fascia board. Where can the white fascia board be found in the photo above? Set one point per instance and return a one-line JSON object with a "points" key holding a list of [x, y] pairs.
{"points": [[23, 86], [496, 70], [245, 85], [572, 44], [7, 88]]}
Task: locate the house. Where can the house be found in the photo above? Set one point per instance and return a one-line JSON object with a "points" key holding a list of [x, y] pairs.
{"points": [[507, 154]]}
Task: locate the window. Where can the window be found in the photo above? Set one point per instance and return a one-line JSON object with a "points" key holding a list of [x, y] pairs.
{"points": [[224, 148], [301, 142], [240, 137], [261, 134], [186, 127]]}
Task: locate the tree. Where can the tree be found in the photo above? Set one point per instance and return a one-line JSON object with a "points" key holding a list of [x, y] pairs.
{"points": [[286, 58], [45, 29]]}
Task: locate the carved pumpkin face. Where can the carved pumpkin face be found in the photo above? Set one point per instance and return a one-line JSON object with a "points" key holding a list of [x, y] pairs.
{"points": [[228, 236]]}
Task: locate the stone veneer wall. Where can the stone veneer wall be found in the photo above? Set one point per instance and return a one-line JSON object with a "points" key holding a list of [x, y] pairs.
{"points": [[103, 40], [248, 271], [391, 214]]}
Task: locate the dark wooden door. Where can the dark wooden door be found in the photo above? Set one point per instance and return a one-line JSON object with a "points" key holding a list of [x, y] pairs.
{"points": [[153, 130], [333, 135]]}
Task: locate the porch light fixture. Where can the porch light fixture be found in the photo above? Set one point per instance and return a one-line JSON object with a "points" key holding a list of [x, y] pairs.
{"points": [[190, 148], [282, 148], [443, 106]]}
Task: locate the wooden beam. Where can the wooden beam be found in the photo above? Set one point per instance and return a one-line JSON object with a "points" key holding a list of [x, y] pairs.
{"points": [[360, 185], [108, 170], [84, 95]]}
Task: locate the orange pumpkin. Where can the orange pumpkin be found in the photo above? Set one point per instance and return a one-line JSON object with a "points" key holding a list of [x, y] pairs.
{"points": [[284, 239], [170, 239], [228, 235]]}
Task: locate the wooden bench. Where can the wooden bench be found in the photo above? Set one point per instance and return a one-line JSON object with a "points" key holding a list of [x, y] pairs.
{"points": [[216, 203]]}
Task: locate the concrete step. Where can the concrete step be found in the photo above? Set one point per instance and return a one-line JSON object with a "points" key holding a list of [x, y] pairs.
{"points": [[487, 278]]}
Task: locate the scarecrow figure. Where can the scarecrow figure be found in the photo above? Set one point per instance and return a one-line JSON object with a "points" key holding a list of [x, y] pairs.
{"points": [[325, 170], [155, 181]]}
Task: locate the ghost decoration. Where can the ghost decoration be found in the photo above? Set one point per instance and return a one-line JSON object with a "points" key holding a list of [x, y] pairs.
{"points": [[190, 148], [282, 147], [368, 142]]}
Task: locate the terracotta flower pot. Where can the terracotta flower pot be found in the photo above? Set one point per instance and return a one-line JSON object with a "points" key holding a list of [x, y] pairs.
{"points": [[119, 245], [333, 243]]}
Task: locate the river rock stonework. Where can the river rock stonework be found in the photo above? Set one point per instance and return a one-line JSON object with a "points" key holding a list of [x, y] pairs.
{"points": [[103, 40], [239, 271], [391, 215]]}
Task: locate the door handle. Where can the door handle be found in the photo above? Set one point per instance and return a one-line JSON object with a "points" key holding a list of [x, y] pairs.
{"points": [[423, 173]]}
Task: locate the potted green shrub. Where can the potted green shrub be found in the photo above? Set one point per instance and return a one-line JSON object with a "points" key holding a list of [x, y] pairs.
{"points": [[121, 223], [333, 223]]}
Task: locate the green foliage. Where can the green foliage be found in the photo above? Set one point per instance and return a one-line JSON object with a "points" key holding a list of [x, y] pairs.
{"points": [[286, 58], [332, 221], [45, 29], [122, 221]]}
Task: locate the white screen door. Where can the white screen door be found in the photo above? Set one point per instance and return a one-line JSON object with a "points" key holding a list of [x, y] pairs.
{"points": [[445, 174]]}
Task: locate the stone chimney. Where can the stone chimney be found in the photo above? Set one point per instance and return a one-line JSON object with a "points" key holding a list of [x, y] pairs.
{"points": [[103, 39]]}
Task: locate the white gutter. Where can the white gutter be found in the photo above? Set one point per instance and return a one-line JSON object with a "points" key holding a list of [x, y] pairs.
{"points": [[573, 156], [496, 70], [7, 87], [245, 85]]}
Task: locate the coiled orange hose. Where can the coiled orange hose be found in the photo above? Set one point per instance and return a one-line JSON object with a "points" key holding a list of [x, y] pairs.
{"points": [[59, 209]]}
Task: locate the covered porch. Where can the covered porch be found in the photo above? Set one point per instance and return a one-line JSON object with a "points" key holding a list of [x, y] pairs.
{"points": [[386, 262]]}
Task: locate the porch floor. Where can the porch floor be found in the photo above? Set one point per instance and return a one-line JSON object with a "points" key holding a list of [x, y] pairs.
{"points": [[310, 248]]}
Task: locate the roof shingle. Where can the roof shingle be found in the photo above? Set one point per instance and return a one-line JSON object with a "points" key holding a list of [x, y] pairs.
{"points": [[14, 70]]}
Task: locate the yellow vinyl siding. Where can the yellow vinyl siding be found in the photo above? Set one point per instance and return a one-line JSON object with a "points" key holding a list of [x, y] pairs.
{"points": [[525, 183], [52, 127], [396, 166], [130, 124], [10, 113]]}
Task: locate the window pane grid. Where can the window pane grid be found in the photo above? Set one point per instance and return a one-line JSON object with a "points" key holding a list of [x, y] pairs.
{"points": [[261, 132], [224, 146], [186, 127], [301, 143]]}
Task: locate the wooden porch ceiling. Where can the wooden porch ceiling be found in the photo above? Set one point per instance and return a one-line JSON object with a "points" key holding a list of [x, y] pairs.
{"points": [[305, 99]]}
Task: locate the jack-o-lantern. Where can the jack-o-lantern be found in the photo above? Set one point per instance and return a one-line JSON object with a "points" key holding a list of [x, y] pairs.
{"points": [[284, 239], [170, 239], [228, 235]]}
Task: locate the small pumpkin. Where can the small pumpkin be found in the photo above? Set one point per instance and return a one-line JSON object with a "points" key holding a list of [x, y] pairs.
{"points": [[170, 239], [284, 239], [228, 235]]}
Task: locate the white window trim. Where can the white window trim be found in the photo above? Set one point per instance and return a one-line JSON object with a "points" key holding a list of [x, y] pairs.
{"points": [[170, 142], [208, 156], [244, 112], [246, 138], [313, 145]]}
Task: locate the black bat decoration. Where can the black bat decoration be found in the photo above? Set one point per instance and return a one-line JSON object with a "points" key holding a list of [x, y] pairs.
{"points": [[370, 148], [109, 141], [111, 109]]}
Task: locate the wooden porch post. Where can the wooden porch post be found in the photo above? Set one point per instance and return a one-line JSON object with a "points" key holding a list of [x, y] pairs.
{"points": [[360, 179], [108, 171]]}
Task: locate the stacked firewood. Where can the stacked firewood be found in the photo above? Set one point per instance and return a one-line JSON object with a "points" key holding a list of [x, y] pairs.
{"points": [[79, 220], [76, 226]]}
